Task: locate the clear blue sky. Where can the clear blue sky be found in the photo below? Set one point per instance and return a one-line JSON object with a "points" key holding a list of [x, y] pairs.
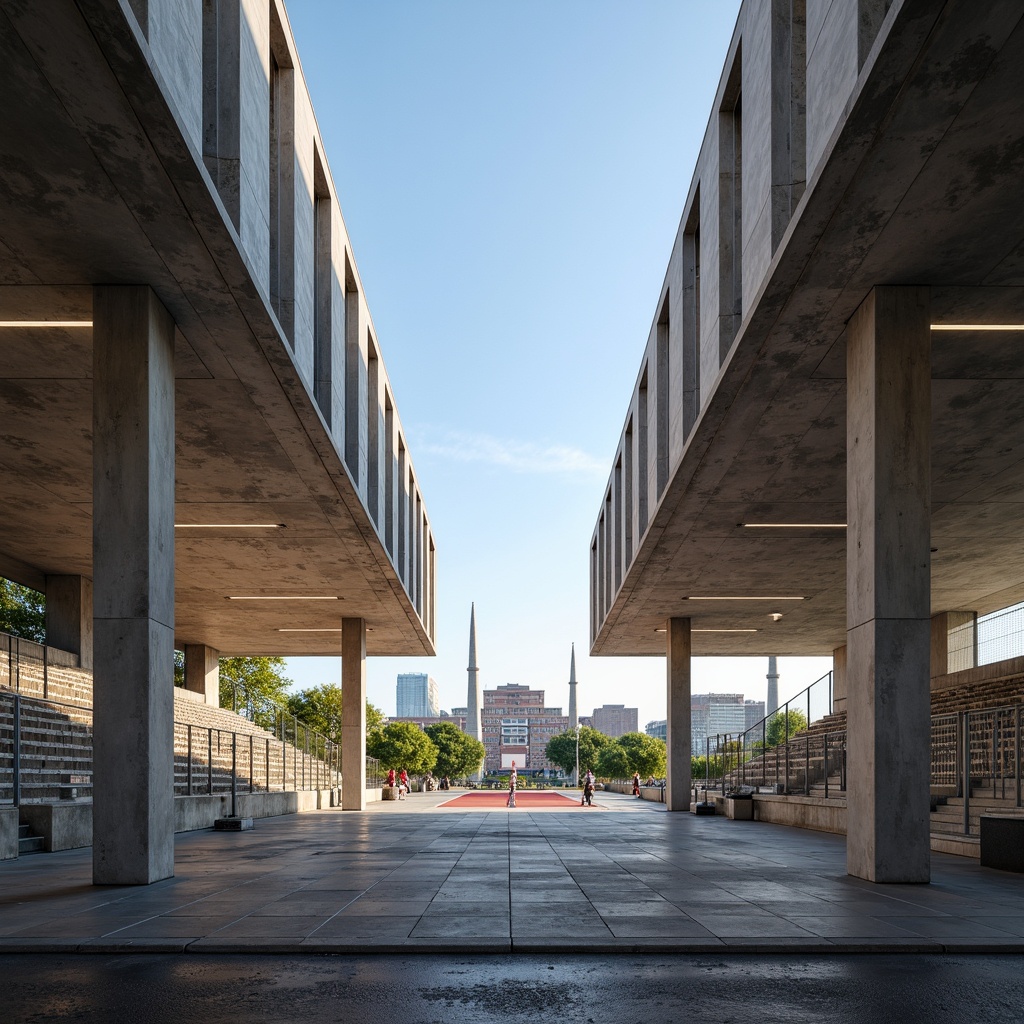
{"points": [[512, 176]]}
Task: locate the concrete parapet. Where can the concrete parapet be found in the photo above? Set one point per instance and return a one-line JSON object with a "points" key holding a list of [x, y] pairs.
{"points": [[655, 793], [62, 826], [802, 811], [8, 833]]}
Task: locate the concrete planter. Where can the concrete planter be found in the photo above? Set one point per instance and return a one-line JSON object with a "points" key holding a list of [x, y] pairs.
{"points": [[389, 793]]}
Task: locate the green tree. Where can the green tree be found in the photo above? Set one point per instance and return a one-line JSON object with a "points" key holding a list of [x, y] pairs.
{"points": [[699, 767], [255, 688], [644, 754], [320, 708], [458, 754], [561, 749], [403, 745], [22, 612], [612, 762], [776, 732]]}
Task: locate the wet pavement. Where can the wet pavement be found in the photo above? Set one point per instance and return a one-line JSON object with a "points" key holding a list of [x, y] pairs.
{"points": [[589, 989], [411, 877]]}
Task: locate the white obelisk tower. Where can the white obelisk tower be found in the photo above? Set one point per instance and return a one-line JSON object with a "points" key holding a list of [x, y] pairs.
{"points": [[574, 717], [772, 703], [473, 700]]}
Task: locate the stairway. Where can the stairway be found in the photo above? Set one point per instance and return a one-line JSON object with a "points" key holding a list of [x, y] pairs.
{"points": [[28, 842]]}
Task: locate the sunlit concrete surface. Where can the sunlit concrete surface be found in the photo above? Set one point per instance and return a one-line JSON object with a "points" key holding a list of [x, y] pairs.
{"points": [[409, 878]]}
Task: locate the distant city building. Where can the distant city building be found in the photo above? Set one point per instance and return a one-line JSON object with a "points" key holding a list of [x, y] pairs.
{"points": [[713, 714], [517, 726], [424, 720], [753, 713], [615, 720], [658, 729], [459, 712], [416, 696], [587, 720]]}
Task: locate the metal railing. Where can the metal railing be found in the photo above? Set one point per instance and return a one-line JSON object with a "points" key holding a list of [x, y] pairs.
{"points": [[998, 636]]}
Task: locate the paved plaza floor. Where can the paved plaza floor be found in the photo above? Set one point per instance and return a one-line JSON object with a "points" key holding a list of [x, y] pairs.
{"points": [[413, 876]]}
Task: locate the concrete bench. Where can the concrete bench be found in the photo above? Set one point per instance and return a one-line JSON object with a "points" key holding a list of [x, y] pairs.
{"points": [[1002, 841]]}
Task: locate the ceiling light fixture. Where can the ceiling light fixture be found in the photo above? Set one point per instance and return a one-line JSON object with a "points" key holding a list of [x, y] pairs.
{"points": [[723, 630], [794, 526], [282, 597], [977, 327], [706, 597], [45, 323], [229, 526], [775, 616], [333, 630]]}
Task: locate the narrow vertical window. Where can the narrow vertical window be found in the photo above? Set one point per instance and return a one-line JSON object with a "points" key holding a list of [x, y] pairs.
{"points": [[418, 535], [664, 374], [372, 431], [403, 503], [595, 583], [389, 474], [602, 575], [691, 318], [730, 205], [140, 8], [221, 101], [627, 495], [353, 366], [618, 523], [609, 552], [642, 483], [282, 179], [322, 272], [789, 112]]}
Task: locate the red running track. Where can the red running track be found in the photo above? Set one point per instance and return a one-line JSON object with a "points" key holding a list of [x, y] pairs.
{"points": [[497, 799]]}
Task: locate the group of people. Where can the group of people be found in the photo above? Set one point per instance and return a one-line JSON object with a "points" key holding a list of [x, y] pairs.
{"points": [[588, 790], [401, 780]]}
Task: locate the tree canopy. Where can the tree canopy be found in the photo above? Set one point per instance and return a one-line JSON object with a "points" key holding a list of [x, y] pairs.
{"points": [[320, 708], [458, 754], [402, 745], [776, 731], [644, 754], [22, 612], [254, 687], [561, 749], [612, 762]]}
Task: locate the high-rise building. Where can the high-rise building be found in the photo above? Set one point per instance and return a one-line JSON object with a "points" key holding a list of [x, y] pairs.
{"points": [[713, 714], [753, 713], [416, 696], [658, 728], [517, 727], [615, 719]]}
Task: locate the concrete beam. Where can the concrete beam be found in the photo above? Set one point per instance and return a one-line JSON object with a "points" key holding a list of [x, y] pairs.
{"points": [[353, 714], [888, 585], [677, 776], [69, 616], [133, 576], [202, 672]]}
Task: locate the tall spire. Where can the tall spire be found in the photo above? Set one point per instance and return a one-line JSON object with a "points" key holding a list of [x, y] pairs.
{"points": [[473, 701], [573, 710], [772, 703]]}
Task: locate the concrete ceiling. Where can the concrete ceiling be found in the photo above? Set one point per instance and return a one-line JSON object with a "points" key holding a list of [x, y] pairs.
{"points": [[98, 186], [921, 186]]}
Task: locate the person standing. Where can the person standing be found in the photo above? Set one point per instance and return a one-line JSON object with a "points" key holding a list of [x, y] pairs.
{"points": [[636, 783], [588, 789], [513, 781], [403, 783]]}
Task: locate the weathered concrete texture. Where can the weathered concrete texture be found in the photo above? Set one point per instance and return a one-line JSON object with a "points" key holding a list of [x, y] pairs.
{"points": [[69, 616], [133, 573], [62, 826], [198, 812], [202, 672], [353, 714], [677, 784], [802, 811], [8, 833], [888, 586]]}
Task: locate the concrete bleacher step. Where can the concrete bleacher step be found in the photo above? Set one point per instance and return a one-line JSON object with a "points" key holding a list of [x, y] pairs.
{"points": [[28, 842]]}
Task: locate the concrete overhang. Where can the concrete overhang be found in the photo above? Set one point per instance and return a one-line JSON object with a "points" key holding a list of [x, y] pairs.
{"points": [[921, 185], [98, 185]]}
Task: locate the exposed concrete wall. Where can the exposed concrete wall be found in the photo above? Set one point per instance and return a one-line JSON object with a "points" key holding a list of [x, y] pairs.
{"points": [[8, 833], [802, 811], [62, 826], [176, 41]]}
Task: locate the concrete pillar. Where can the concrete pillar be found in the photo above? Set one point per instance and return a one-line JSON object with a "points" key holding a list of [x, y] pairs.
{"points": [[677, 781], [69, 616], [133, 577], [202, 672], [888, 588], [957, 652], [353, 714], [839, 679]]}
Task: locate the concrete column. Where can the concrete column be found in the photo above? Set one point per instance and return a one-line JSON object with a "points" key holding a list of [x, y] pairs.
{"points": [[888, 586], [677, 782], [69, 616], [353, 714], [133, 577], [956, 653], [202, 672], [839, 679]]}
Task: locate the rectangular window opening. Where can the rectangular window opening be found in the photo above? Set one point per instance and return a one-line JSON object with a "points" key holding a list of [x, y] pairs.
{"points": [[403, 503], [221, 43], [627, 495], [618, 517], [353, 363], [691, 318], [730, 173], [282, 179], [642, 482], [373, 502], [663, 381], [322, 274], [389, 474], [789, 112]]}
